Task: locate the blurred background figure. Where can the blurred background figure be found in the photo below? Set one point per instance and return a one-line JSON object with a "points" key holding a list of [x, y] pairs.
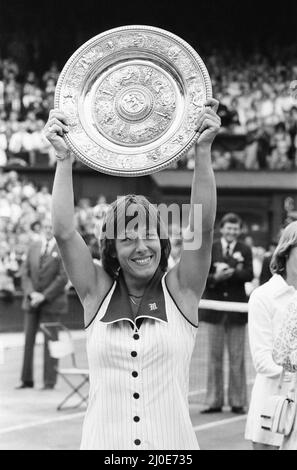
{"points": [[258, 253], [266, 274], [268, 309], [7, 270], [45, 300], [231, 267]]}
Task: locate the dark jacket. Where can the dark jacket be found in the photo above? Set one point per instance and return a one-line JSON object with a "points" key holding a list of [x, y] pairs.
{"points": [[231, 290], [50, 279]]}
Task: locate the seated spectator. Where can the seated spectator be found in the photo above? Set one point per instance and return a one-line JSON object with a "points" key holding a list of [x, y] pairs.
{"points": [[7, 288], [12, 93], [5, 211], [281, 135], [35, 230], [41, 145], [279, 158], [281, 143], [258, 145], [12, 124], [15, 207], [28, 191], [28, 215], [42, 197], [50, 86], [29, 95], [84, 212], [53, 73], [30, 121], [266, 107], [284, 102], [20, 145]]}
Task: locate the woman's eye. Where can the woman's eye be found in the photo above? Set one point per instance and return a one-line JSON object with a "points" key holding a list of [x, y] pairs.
{"points": [[151, 236]]}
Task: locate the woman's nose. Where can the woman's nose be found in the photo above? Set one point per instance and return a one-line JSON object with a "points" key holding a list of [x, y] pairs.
{"points": [[140, 244]]}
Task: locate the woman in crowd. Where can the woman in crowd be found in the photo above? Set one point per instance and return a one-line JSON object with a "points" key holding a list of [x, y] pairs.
{"points": [[267, 308], [141, 324], [285, 345]]}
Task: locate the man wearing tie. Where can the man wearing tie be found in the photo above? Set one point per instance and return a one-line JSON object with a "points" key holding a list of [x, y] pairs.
{"points": [[45, 300], [231, 267]]}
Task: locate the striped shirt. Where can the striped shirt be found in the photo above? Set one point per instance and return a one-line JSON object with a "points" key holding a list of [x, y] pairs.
{"points": [[139, 381]]}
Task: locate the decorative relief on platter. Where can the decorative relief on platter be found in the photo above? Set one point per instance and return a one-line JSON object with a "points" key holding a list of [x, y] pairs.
{"points": [[133, 96]]}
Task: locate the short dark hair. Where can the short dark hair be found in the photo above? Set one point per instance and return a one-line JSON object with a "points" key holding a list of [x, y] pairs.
{"points": [[230, 218], [107, 245]]}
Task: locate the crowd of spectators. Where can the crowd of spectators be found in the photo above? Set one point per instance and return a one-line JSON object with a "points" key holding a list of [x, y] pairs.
{"points": [[23, 206], [258, 109], [25, 101]]}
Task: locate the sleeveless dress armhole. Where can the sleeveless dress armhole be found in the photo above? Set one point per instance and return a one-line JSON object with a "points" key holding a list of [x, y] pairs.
{"points": [[100, 305], [178, 308]]}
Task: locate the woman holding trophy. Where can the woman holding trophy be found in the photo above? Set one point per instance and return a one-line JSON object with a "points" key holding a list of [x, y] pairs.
{"points": [[140, 320]]}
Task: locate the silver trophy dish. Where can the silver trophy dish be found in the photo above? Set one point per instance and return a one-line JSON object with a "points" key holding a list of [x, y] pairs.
{"points": [[133, 96]]}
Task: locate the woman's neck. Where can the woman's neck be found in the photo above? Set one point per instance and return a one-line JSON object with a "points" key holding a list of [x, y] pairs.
{"points": [[135, 286], [291, 279]]}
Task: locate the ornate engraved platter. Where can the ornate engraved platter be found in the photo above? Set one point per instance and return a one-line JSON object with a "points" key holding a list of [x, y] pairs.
{"points": [[133, 96]]}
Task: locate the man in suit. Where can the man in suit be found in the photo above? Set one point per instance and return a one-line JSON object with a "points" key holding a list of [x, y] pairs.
{"points": [[45, 300], [231, 267]]}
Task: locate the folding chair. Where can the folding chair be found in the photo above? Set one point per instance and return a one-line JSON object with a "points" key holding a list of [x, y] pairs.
{"points": [[61, 348]]}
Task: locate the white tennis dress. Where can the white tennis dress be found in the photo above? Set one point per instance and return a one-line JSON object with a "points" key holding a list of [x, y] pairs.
{"points": [[139, 382]]}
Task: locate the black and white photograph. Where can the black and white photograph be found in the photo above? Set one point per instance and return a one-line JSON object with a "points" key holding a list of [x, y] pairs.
{"points": [[148, 228]]}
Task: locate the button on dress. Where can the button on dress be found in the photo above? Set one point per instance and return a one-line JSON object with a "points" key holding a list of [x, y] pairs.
{"points": [[140, 400]]}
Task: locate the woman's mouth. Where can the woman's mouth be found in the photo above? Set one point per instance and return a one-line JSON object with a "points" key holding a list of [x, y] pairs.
{"points": [[142, 261]]}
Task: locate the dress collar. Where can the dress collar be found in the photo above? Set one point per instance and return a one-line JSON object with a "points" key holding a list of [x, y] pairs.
{"points": [[280, 286], [152, 303]]}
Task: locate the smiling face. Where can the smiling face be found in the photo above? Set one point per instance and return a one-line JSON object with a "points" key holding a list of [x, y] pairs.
{"points": [[138, 252], [230, 231], [47, 230], [135, 239]]}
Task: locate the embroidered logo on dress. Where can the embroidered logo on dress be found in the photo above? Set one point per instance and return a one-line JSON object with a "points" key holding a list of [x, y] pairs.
{"points": [[153, 306]]}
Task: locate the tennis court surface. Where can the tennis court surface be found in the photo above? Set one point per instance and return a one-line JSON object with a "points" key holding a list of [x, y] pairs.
{"points": [[29, 419]]}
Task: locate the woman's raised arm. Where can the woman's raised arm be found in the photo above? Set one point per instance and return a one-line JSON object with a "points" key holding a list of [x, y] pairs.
{"points": [[190, 274], [76, 255]]}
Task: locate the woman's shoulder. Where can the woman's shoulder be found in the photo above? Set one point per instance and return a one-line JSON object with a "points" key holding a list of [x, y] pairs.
{"points": [[264, 292]]}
